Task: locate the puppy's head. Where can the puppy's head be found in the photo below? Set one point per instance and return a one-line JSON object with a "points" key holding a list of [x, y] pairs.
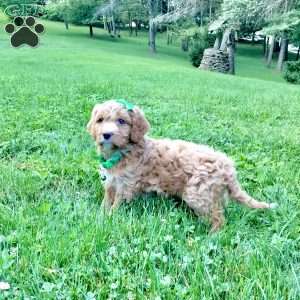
{"points": [[113, 125]]}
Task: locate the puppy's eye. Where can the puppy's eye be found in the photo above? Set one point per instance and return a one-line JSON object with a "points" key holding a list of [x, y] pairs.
{"points": [[100, 120], [121, 121]]}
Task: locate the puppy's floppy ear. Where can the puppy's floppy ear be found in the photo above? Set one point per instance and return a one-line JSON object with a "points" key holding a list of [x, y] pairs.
{"points": [[140, 126], [89, 126]]}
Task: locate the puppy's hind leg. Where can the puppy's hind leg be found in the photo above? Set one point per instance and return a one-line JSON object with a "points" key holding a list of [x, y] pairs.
{"points": [[206, 201], [217, 209], [196, 201]]}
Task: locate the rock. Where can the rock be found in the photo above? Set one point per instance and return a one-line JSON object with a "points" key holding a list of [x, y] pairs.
{"points": [[215, 60]]}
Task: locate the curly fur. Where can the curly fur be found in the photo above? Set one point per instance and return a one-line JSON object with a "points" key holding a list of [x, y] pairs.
{"points": [[198, 174]]}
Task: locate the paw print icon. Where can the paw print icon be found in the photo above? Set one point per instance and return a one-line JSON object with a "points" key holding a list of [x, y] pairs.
{"points": [[24, 31]]}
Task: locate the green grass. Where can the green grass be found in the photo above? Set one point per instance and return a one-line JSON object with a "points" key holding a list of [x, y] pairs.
{"points": [[251, 63], [54, 242]]}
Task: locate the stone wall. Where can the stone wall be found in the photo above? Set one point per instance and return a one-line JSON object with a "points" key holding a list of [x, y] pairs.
{"points": [[215, 60]]}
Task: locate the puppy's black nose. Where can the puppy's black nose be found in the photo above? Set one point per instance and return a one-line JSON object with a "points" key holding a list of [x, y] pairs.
{"points": [[107, 136]]}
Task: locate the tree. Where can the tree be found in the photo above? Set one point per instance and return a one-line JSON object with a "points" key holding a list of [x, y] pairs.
{"points": [[271, 50], [243, 16], [283, 25], [231, 54], [295, 39], [82, 12], [153, 9], [282, 17], [247, 16], [169, 12], [109, 12], [134, 13]]}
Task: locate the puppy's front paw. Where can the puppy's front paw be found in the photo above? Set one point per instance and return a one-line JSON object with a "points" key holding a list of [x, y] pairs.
{"points": [[106, 206]]}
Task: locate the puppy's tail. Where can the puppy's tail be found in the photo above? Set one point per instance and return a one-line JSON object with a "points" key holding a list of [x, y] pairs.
{"points": [[236, 192]]}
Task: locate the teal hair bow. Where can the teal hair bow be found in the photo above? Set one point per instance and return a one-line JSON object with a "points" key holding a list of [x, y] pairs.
{"points": [[129, 106]]}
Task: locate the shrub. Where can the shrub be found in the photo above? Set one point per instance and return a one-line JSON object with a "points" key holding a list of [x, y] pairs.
{"points": [[196, 54], [200, 41], [292, 72], [57, 11], [53, 12]]}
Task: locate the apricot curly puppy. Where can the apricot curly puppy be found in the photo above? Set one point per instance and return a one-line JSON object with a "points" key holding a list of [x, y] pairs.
{"points": [[132, 163]]}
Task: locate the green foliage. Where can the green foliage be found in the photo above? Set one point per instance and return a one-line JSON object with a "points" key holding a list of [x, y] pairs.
{"points": [[82, 11], [211, 40], [132, 10], [281, 16], [284, 22], [292, 72], [199, 40], [295, 35], [55, 11], [245, 16], [196, 54]]}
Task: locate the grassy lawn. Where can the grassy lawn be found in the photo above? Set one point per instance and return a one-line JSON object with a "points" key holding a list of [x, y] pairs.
{"points": [[251, 63], [54, 242]]}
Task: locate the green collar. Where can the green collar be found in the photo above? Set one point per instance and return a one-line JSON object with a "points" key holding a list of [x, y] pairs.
{"points": [[129, 106], [114, 159]]}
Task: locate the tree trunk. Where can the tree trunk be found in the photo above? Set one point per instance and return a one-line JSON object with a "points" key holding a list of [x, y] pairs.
{"points": [[130, 23], [234, 38], [286, 51], [118, 29], [271, 50], [104, 23], [91, 30], [113, 24], [210, 10], [136, 27], [112, 19], [108, 26], [231, 53], [276, 46], [153, 11], [267, 48], [184, 44], [253, 39], [152, 36], [217, 42], [66, 24], [201, 12], [282, 51], [112, 31], [225, 40], [298, 53], [168, 36]]}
